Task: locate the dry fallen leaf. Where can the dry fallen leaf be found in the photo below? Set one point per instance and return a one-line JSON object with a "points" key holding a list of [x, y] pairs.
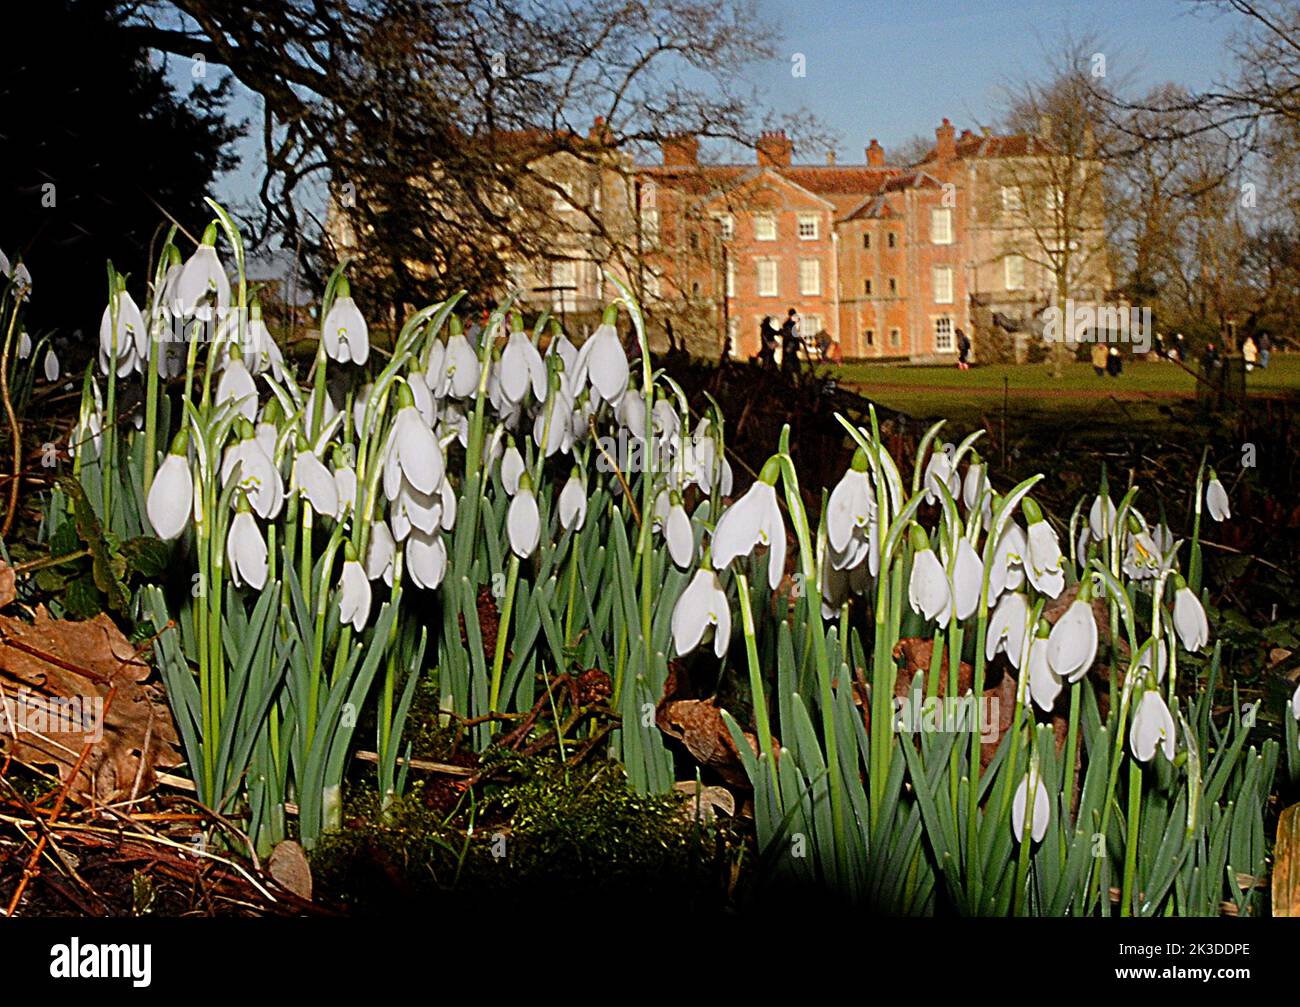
{"points": [[8, 584], [705, 802], [68, 685], [288, 865]]}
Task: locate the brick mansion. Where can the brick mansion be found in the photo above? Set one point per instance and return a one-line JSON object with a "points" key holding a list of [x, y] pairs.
{"points": [[980, 235]]}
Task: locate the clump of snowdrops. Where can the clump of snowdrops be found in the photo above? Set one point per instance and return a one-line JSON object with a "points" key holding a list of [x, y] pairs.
{"points": [[333, 539]]}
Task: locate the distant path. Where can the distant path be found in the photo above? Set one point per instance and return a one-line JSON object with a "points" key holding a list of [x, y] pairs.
{"points": [[1123, 394]]}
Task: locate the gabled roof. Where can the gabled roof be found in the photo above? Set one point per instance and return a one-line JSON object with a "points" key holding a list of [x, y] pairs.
{"points": [[972, 146]]}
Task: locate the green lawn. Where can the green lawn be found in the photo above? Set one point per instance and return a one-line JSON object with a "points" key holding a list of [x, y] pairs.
{"points": [[1030, 390]]}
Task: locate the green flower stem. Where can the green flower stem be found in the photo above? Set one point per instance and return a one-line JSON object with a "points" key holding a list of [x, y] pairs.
{"points": [[503, 628], [1069, 770], [761, 724], [151, 414], [1133, 833]]}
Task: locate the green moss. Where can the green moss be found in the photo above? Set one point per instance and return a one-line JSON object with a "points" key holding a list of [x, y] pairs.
{"points": [[536, 833]]}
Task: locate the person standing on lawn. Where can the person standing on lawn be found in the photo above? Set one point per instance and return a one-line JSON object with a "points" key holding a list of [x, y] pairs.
{"points": [[1249, 353], [790, 343], [963, 351], [767, 344], [1099, 358], [1265, 345]]}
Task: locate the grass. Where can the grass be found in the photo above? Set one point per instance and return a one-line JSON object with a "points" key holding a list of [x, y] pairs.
{"points": [[1031, 392]]}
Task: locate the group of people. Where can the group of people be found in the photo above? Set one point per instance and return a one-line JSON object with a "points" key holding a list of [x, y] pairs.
{"points": [[1256, 351], [791, 342], [1106, 360]]}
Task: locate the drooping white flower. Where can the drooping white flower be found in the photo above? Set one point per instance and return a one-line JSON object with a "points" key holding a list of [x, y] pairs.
{"points": [[701, 605], [426, 559], [354, 595], [1072, 646], [130, 335], [1008, 572], [928, 591], [460, 366], [344, 331], [939, 470], [22, 281], [1008, 624], [1039, 815], [381, 552], [512, 467], [1142, 665], [561, 347], [1142, 556], [1044, 564], [345, 489], [258, 476], [1101, 517], [413, 509], [1189, 617], [1152, 727], [314, 481], [602, 362], [51, 365], [236, 386], [413, 453], [202, 282], [246, 551], [680, 538], [171, 497], [1216, 499], [573, 503], [523, 523], [522, 365], [975, 485], [753, 520], [24, 345], [1044, 684], [1295, 703], [852, 504], [967, 579]]}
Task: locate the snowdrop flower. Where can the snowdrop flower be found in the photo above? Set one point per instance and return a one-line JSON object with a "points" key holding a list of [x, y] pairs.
{"points": [[1072, 646], [171, 497], [975, 485], [426, 559], [1039, 815], [246, 549], [522, 365], [602, 361], [354, 591], [677, 531], [939, 470], [1189, 617], [967, 579], [1101, 517], [523, 523], [381, 553], [1007, 627], [1295, 703], [345, 489], [314, 481], [129, 333], [1044, 684], [413, 453], [1216, 499], [512, 467], [1142, 558], [236, 386], [413, 509], [852, 505], [701, 605], [5, 268], [202, 280], [928, 591], [459, 375], [573, 503], [51, 365], [344, 331], [258, 476], [22, 281], [562, 348], [260, 347], [24, 345], [1152, 727], [1044, 563], [1008, 572], [753, 520]]}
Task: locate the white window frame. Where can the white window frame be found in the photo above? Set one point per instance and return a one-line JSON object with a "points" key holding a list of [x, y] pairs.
{"points": [[1013, 272], [810, 277], [809, 227], [895, 337], [564, 273], [941, 225], [731, 277], [810, 325], [726, 226], [1012, 201], [944, 329], [942, 278], [763, 289], [765, 227]]}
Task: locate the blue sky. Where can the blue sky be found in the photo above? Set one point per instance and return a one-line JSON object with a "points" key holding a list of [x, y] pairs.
{"points": [[892, 69]]}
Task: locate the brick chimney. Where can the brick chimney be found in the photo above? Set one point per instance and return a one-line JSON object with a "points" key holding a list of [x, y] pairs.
{"points": [[830, 158], [945, 143], [775, 149], [600, 131], [682, 150], [875, 154]]}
